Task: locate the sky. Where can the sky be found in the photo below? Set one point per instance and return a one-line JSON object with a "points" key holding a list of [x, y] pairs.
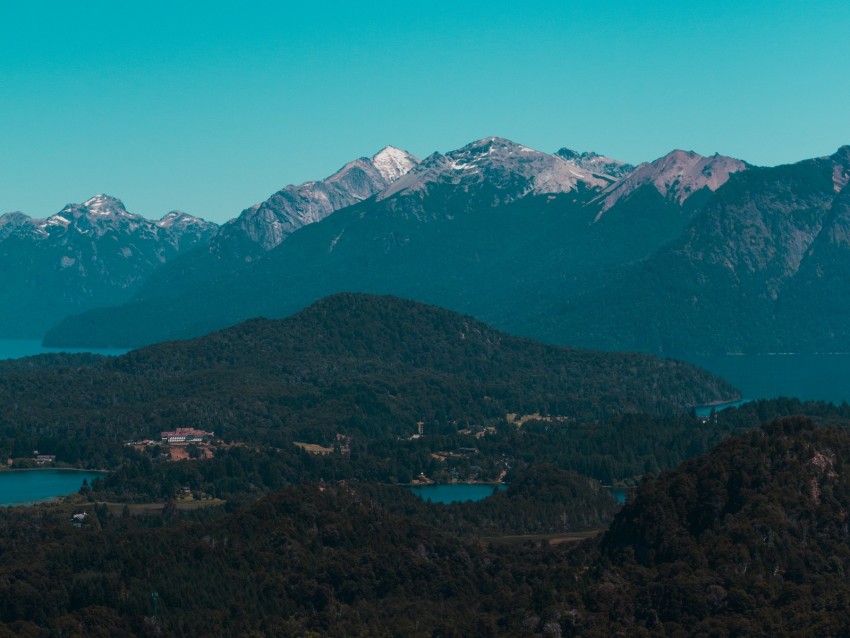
{"points": [[211, 107]]}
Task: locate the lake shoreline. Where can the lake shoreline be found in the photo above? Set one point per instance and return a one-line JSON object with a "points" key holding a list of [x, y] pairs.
{"points": [[34, 486], [52, 469]]}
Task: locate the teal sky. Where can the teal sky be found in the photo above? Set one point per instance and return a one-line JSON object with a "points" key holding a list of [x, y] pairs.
{"points": [[210, 107]]}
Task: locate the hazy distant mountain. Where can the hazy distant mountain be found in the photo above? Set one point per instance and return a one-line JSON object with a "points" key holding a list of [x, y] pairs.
{"points": [[85, 256], [495, 229]]}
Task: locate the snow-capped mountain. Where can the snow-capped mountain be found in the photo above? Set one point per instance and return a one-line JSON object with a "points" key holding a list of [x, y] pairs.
{"points": [[104, 214], [262, 227], [509, 170], [269, 223], [392, 163], [493, 226], [677, 176], [86, 255]]}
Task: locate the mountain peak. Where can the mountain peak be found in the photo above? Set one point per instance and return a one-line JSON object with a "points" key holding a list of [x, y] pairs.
{"points": [[9, 222], [14, 217], [393, 162], [596, 163], [515, 170], [677, 175], [180, 218], [102, 204]]}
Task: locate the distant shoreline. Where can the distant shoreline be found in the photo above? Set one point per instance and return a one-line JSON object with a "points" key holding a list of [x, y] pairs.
{"points": [[53, 469], [712, 404], [444, 484]]}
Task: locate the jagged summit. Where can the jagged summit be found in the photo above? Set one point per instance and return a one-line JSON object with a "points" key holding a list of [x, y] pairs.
{"points": [[596, 163], [14, 217], [9, 222], [95, 217], [102, 204], [87, 255], [677, 175], [177, 217], [513, 168], [269, 223], [841, 170], [393, 162]]}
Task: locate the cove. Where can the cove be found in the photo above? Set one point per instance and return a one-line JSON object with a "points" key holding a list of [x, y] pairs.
{"points": [[20, 487], [455, 492], [808, 377]]}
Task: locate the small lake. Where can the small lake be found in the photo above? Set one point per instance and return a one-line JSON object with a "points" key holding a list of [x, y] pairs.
{"points": [[813, 377], [17, 348], [705, 410], [620, 495], [455, 492], [18, 487]]}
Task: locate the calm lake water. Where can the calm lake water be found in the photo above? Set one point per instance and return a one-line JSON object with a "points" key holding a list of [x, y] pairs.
{"points": [[29, 486], [620, 495], [824, 377], [17, 348], [455, 493]]}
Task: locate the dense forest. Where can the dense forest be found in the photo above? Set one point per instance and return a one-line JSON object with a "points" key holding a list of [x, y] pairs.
{"points": [[746, 537], [365, 367], [750, 539]]}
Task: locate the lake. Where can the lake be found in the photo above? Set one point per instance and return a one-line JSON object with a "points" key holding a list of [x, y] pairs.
{"points": [[17, 348], [820, 377], [19, 487], [455, 492], [620, 495]]}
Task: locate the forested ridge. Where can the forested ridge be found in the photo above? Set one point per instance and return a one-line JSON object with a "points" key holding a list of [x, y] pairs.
{"points": [[363, 366]]}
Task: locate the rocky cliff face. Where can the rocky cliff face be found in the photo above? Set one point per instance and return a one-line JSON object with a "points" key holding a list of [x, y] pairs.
{"points": [[262, 227], [599, 164], [677, 176], [495, 171], [269, 223]]}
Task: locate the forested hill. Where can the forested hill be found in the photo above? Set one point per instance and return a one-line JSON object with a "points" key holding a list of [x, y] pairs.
{"points": [[359, 364], [750, 539]]}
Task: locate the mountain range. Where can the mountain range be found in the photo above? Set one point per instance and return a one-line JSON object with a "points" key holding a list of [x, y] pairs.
{"points": [[686, 254], [85, 256], [495, 229]]}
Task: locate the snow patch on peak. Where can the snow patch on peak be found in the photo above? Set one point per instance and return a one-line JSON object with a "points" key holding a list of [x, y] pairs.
{"points": [[393, 162], [105, 205], [178, 217], [513, 169], [57, 220]]}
